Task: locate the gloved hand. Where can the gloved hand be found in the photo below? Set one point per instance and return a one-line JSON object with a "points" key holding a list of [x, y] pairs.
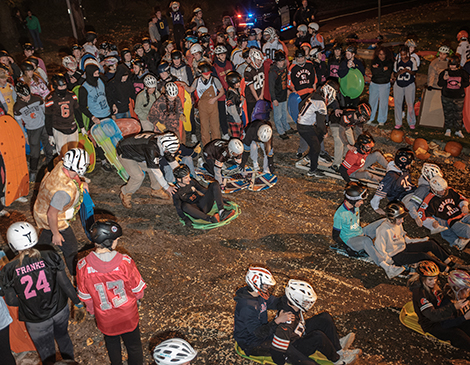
{"points": [[79, 313], [51, 140], [430, 88]]}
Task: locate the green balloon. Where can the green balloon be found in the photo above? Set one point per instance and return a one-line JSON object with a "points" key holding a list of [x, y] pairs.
{"points": [[352, 84]]}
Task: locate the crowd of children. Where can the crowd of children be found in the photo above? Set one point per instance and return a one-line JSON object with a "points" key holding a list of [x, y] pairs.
{"points": [[227, 78]]}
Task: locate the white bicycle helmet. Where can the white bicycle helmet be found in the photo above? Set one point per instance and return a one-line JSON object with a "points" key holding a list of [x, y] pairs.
{"points": [[410, 43], [70, 63], [220, 49], [430, 170], [438, 184], [265, 133], [235, 147], [21, 236], [170, 142], [444, 49], [171, 89], [195, 48], [202, 30], [173, 352], [256, 57], [150, 81], [76, 160], [301, 294], [314, 52], [230, 29], [269, 33], [256, 277], [302, 28], [314, 26]]}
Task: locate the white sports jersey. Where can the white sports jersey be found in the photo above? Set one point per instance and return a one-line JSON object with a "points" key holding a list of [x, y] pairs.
{"points": [[270, 48], [464, 51]]}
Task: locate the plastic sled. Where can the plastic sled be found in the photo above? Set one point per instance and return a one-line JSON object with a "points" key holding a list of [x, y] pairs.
{"points": [[409, 318], [431, 113], [352, 84], [261, 110], [128, 126], [232, 183], [293, 106], [107, 135], [261, 181], [12, 147], [87, 213], [202, 224], [187, 106], [85, 143], [317, 356]]}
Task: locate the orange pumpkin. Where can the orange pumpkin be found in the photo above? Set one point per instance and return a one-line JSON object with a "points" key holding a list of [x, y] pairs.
{"points": [[423, 156], [420, 143], [454, 148], [460, 165], [397, 135]]}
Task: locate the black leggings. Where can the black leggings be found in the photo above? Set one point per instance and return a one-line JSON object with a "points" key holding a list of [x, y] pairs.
{"points": [[222, 117], [133, 346], [69, 247], [5, 350], [204, 205], [314, 139], [458, 336], [416, 252]]}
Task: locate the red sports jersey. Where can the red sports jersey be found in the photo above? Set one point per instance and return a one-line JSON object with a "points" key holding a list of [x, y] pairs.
{"points": [[111, 290], [354, 161]]}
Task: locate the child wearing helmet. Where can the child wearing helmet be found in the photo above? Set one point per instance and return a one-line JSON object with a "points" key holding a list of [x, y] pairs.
{"points": [[254, 80], [259, 133], [342, 126], [36, 282], [453, 81], [166, 114], [302, 78], [302, 36], [29, 109], [463, 49], [234, 104], [197, 201], [222, 67], [33, 79], [139, 70], [237, 54], [121, 89], [179, 69], [219, 151], [428, 171], [396, 185], [111, 286], [143, 152], [296, 340], [73, 76], [252, 331], [145, 100], [445, 207], [438, 65], [273, 43], [174, 352], [437, 314], [151, 56], [396, 248], [321, 69], [57, 202], [316, 39], [278, 93], [347, 230]]}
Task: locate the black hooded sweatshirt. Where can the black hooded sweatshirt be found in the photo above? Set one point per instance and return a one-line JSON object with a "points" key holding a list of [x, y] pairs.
{"points": [[119, 92]]}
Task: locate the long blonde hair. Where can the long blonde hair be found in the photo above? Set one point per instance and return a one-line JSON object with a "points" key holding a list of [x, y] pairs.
{"points": [[31, 252], [36, 77]]}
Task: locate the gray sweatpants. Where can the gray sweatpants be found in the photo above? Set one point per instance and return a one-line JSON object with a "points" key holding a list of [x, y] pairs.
{"points": [[370, 160], [365, 241], [136, 176], [340, 134], [408, 93]]}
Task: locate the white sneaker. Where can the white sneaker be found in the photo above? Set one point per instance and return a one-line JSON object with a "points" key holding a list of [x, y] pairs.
{"points": [[22, 199], [392, 270], [193, 138], [226, 137], [461, 243], [255, 166], [346, 341], [4, 213], [346, 358], [439, 229], [459, 134], [448, 133]]}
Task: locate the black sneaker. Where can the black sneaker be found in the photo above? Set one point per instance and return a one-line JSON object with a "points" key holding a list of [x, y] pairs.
{"points": [[315, 173], [326, 156], [298, 155], [106, 166], [284, 136], [291, 131], [226, 214], [335, 168]]}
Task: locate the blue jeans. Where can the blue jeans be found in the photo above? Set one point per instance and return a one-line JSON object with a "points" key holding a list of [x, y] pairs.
{"points": [[123, 115], [458, 229], [44, 333], [378, 97], [36, 39], [280, 117]]}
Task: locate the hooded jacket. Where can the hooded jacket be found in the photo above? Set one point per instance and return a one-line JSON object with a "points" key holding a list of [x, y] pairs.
{"points": [[251, 319], [120, 92], [92, 95]]}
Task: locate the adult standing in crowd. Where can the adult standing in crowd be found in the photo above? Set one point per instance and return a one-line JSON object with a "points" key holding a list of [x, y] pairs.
{"points": [[379, 90], [34, 27], [304, 14]]}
